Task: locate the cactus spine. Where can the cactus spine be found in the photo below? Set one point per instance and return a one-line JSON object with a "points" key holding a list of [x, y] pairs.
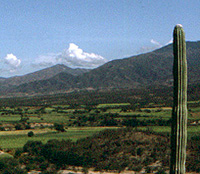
{"points": [[179, 113]]}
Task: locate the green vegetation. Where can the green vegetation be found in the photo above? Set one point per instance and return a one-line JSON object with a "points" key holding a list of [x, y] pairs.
{"points": [[109, 150], [10, 165], [78, 123], [166, 130], [41, 120], [5, 155], [13, 139], [112, 105]]}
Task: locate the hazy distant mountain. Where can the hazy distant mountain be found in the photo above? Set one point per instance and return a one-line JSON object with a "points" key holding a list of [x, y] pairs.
{"points": [[40, 75], [154, 68], [2, 78], [52, 85]]}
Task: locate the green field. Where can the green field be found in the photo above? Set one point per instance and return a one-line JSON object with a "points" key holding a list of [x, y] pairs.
{"points": [[161, 114], [92, 119], [17, 139], [10, 118], [112, 105], [167, 129], [62, 113], [191, 130]]}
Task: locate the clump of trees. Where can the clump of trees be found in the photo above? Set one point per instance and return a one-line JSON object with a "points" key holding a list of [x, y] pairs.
{"points": [[10, 165], [59, 127], [115, 119]]}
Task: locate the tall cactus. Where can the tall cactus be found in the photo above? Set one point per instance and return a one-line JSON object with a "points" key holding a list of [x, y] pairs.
{"points": [[179, 113]]}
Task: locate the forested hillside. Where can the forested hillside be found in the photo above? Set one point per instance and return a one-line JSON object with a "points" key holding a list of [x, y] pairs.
{"points": [[150, 69]]}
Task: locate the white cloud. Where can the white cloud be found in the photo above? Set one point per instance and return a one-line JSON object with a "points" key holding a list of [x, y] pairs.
{"points": [[156, 43], [12, 61], [73, 57], [76, 57]]}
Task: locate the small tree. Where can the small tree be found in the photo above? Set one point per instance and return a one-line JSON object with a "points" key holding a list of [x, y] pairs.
{"points": [[19, 126], [59, 127], [30, 134]]}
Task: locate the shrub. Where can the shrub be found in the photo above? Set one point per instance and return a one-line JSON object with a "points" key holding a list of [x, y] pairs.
{"points": [[27, 126], [18, 153], [161, 171], [59, 127], [136, 168], [10, 165], [33, 147], [19, 127], [148, 169], [44, 165], [131, 122], [30, 134]]}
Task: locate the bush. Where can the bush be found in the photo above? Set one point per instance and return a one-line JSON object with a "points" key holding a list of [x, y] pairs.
{"points": [[161, 171], [135, 167], [30, 134], [18, 153], [33, 147], [59, 127], [44, 165], [148, 169], [10, 165], [27, 126], [130, 122], [19, 127]]}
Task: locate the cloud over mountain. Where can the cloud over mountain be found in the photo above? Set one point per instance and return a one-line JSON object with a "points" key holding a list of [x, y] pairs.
{"points": [[72, 57], [156, 45], [12, 61]]}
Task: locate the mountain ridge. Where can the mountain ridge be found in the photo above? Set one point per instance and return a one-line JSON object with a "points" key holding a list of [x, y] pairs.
{"points": [[43, 74], [153, 68]]}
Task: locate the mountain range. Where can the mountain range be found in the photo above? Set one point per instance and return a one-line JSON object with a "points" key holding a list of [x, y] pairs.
{"points": [[43, 74], [153, 68]]}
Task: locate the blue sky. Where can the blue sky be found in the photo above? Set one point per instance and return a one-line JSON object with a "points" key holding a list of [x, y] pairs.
{"points": [[35, 34]]}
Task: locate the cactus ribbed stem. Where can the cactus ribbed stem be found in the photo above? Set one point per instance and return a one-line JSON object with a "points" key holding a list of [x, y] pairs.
{"points": [[179, 113]]}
